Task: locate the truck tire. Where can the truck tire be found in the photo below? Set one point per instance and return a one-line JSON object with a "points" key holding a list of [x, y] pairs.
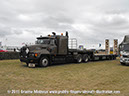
{"points": [[44, 62], [79, 58], [122, 63], [111, 57], [85, 58]]}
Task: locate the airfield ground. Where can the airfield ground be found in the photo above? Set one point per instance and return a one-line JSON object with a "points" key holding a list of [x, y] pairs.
{"points": [[100, 75]]}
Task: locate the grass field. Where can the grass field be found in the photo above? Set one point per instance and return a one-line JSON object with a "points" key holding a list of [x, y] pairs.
{"points": [[100, 75]]}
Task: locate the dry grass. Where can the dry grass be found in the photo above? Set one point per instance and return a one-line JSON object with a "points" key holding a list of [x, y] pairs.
{"points": [[101, 75]]}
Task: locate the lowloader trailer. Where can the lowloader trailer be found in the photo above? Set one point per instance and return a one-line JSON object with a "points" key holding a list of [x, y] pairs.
{"points": [[53, 49]]}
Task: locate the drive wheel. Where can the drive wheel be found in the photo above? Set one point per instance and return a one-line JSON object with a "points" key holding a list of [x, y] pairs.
{"points": [[44, 62], [79, 58], [85, 58]]}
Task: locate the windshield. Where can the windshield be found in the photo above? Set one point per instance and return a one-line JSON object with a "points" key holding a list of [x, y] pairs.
{"points": [[43, 41], [125, 47]]}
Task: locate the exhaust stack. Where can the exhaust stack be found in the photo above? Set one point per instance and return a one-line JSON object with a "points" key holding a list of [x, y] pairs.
{"points": [[54, 33]]}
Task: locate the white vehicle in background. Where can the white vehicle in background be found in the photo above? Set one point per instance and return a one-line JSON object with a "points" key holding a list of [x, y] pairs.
{"points": [[13, 49], [124, 55], [124, 51]]}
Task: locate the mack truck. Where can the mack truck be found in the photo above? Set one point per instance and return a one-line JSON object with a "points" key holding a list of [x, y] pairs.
{"points": [[53, 49], [124, 51]]}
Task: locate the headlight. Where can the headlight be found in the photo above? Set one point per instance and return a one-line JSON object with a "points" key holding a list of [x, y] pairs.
{"points": [[27, 51]]}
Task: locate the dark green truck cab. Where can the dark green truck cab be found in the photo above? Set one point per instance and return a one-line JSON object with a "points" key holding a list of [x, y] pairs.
{"points": [[52, 49]]}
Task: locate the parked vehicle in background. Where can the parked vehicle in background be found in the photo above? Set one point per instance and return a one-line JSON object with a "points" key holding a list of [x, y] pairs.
{"points": [[124, 51], [2, 50], [13, 49]]}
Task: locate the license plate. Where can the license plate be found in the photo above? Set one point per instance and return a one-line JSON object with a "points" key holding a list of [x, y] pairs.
{"points": [[31, 65]]}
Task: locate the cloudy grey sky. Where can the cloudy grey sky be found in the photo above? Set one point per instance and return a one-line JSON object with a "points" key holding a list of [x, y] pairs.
{"points": [[90, 21]]}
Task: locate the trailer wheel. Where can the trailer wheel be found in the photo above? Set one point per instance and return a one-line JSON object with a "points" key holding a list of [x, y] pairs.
{"points": [[111, 57], [122, 63], [79, 58], [114, 57], [85, 58], [44, 62]]}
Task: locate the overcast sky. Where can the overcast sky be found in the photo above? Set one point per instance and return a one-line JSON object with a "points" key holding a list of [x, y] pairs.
{"points": [[90, 21]]}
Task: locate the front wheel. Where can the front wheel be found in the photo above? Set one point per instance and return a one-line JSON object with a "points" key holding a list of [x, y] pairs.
{"points": [[44, 62]]}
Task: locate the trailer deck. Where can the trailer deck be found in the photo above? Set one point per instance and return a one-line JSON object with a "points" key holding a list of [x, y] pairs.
{"points": [[104, 56]]}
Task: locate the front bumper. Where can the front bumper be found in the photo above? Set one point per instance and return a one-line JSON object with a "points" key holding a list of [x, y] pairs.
{"points": [[124, 60], [29, 60]]}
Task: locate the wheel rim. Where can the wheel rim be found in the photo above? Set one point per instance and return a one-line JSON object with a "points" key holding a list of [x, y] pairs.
{"points": [[86, 59], [80, 59], [45, 62]]}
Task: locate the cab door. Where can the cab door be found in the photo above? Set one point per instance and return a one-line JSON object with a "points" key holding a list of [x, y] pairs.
{"points": [[53, 47]]}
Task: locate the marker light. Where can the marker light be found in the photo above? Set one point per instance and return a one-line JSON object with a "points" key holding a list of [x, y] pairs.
{"points": [[35, 54], [49, 35]]}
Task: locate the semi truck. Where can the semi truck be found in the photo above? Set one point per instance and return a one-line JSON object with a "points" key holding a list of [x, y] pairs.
{"points": [[124, 51], [53, 49]]}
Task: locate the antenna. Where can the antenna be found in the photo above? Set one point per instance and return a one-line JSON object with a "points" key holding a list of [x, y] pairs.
{"points": [[67, 33]]}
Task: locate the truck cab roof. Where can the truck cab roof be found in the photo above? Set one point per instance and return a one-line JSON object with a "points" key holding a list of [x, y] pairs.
{"points": [[50, 37], [45, 37]]}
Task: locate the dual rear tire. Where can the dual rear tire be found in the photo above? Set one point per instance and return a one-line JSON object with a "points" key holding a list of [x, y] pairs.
{"points": [[85, 58], [80, 58]]}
